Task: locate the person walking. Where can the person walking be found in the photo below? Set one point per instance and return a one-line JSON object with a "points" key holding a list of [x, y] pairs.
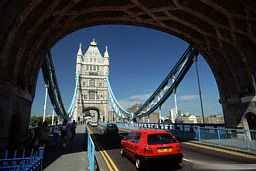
{"points": [[44, 135], [56, 134], [37, 135], [73, 129], [64, 134]]}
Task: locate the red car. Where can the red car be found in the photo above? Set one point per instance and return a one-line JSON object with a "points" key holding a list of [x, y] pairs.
{"points": [[145, 144]]}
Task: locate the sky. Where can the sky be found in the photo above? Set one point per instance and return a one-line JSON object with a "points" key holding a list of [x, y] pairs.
{"points": [[140, 58]]}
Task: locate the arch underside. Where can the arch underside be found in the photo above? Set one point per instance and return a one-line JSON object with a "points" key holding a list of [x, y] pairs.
{"points": [[223, 31], [91, 108]]}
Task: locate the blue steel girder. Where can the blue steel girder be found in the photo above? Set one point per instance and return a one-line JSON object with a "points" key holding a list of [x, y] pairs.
{"points": [[166, 80]]}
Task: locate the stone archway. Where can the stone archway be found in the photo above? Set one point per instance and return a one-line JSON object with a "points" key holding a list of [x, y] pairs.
{"points": [[223, 31]]}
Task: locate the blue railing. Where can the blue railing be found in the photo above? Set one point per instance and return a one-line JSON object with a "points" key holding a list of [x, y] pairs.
{"points": [[90, 152], [31, 160], [210, 134]]}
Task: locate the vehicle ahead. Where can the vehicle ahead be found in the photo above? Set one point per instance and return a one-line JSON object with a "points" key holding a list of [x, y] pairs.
{"points": [[110, 128], [151, 145]]}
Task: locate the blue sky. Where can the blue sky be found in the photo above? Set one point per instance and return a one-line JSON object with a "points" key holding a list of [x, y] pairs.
{"points": [[140, 58]]}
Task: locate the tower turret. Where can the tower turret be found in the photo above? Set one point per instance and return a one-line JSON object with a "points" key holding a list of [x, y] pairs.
{"points": [[106, 55], [79, 57], [79, 54]]}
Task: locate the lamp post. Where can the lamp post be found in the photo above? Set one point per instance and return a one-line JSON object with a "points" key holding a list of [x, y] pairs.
{"points": [[175, 101], [52, 116], [45, 100], [160, 114], [199, 89]]}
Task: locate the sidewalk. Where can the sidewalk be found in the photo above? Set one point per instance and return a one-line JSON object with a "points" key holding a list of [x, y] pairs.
{"points": [[74, 157]]}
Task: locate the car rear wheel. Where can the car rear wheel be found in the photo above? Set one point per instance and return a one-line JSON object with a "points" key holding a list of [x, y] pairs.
{"points": [[122, 152], [139, 163]]}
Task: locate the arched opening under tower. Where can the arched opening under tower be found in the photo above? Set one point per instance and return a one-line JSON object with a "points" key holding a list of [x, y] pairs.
{"points": [[91, 113], [138, 65]]}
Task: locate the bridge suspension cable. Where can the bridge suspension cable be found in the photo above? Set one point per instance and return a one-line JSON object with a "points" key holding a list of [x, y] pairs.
{"points": [[71, 108], [118, 109]]}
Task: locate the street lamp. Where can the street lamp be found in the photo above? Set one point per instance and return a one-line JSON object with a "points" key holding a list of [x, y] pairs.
{"points": [[45, 100], [199, 88]]}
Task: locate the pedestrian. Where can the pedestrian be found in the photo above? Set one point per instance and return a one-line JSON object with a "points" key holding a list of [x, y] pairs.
{"points": [[73, 129], [56, 133], [37, 134], [44, 134], [64, 138]]}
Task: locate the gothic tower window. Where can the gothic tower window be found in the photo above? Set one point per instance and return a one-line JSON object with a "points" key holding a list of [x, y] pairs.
{"points": [[92, 83], [92, 95]]}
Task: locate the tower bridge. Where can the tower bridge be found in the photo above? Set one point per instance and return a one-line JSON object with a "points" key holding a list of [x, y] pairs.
{"points": [[92, 69]]}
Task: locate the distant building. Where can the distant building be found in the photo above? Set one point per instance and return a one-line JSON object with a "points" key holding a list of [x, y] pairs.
{"points": [[216, 119], [189, 118], [152, 118], [211, 119]]}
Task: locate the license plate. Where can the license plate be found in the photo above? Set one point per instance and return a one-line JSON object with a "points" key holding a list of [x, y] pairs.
{"points": [[161, 150]]}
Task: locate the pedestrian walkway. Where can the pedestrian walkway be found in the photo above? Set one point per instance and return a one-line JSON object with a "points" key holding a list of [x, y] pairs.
{"points": [[73, 157]]}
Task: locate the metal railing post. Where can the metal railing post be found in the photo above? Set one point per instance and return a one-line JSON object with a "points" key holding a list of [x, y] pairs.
{"points": [[218, 132], [199, 133], [247, 139]]}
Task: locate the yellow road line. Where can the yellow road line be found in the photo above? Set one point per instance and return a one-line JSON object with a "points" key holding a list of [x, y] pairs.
{"points": [[222, 150], [110, 163], [107, 162]]}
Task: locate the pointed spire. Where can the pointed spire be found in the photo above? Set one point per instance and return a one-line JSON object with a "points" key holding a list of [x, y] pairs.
{"points": [[106, 55], [80, 52]]}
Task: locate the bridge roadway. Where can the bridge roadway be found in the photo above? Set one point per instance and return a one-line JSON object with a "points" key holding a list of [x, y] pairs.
{"points": [[195, 158]]}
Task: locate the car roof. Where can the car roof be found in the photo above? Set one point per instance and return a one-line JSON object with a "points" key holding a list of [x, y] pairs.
{"points": [[111, 124], [150, 131]]}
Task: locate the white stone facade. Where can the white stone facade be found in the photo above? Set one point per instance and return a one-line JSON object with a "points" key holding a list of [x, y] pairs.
{"points": [[93, 71]]}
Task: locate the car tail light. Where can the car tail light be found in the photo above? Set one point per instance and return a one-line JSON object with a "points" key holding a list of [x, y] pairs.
{"points": [[148, 149], [178, 147]]}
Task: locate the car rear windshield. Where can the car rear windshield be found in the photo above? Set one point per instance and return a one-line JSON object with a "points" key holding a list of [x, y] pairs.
{"points": [[160, 139], [111, 126]]}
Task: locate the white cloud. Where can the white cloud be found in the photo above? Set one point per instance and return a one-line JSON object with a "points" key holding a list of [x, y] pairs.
{"points": [[135, 99], [188, 97]]}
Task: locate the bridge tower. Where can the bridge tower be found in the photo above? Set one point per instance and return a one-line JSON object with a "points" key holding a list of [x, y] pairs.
{"points": [[93, 70]]}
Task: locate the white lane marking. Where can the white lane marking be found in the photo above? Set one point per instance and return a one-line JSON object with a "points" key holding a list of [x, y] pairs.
{"points": [[229, 166], [220, 166], [187, 160]]}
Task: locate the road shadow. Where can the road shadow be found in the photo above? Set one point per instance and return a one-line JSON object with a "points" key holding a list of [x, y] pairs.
{"points": [[54, 151], [166, 165]]}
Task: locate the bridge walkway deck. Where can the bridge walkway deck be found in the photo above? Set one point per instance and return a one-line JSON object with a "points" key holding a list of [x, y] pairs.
{"points": [[73, 157]]}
